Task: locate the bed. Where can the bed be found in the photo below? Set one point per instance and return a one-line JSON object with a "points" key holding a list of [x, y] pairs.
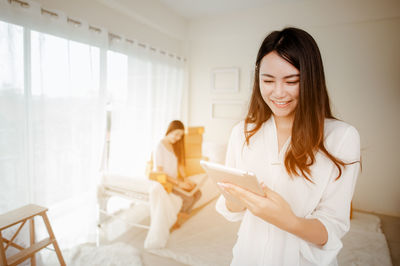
{"points": [[207, 238]]}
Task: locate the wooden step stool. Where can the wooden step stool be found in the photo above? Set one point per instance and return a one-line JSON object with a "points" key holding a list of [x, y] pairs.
{"points": [[21, 215]]}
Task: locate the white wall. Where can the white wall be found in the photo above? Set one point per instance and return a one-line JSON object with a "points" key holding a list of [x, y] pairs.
{"points": [[359, 41]]}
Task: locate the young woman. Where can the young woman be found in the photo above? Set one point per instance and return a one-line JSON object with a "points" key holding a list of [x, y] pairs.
{"points": [[306, 160], [169, 157]]}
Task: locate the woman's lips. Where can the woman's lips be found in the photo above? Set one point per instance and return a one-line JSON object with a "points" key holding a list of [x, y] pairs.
{"points": [[281, 104]]}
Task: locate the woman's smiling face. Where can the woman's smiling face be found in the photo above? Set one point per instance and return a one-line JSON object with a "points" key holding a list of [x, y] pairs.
{"points": [[279, 85]]}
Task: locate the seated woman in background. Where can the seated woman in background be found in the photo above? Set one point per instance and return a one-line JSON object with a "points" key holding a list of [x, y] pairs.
{"points": [[169, 157]]}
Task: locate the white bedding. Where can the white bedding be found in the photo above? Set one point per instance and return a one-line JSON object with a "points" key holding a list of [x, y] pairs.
{"points": [[364, 244], [207, 239]]}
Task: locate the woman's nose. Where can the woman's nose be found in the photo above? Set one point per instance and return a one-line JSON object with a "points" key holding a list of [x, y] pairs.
{"points": [[279, 90]]}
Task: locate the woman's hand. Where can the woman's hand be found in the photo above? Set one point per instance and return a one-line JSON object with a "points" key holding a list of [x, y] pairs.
{"points": [[271, 207], [186, 185]]}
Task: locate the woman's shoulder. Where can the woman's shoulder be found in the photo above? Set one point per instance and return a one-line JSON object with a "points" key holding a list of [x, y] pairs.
{"points": [[237, 132], [241, 126], [160, 146], [238, 127], [337, 128], [338, 133]]}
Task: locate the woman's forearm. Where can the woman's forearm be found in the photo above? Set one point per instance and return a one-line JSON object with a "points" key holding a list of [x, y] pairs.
{"points": [[172, 180], [232, 207], [178, 183], [311, 230]]}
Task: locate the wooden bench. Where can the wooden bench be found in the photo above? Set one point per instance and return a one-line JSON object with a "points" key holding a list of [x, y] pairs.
{"points": [[21, 215]]}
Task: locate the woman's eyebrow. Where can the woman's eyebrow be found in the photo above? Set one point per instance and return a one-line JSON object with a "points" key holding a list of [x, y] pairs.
{"points": [[268, 75], [285, 77], [291, 76]]}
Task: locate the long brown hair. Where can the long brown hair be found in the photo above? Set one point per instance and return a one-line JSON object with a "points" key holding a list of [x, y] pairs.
{"points": [[179, 146], [299, 49]]}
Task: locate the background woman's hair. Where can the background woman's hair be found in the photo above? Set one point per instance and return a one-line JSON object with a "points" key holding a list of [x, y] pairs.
{"points": [[299, 49], [179, 146]]}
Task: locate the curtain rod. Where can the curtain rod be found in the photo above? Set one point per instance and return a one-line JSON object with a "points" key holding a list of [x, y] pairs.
{"points": [[111, 35], [98, 30], [75, 22], [48, 12], [21, 3]]}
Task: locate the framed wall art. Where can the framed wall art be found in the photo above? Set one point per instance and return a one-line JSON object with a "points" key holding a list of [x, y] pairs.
{"points": [[225, 80], [228, 109]]}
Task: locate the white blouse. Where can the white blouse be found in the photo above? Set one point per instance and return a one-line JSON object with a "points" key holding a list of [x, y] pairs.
{"points": [[261, 243], [167, 159]]}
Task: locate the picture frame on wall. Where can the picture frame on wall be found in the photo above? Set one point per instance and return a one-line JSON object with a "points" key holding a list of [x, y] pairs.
{"points": [[225, 80], [228, 109]]}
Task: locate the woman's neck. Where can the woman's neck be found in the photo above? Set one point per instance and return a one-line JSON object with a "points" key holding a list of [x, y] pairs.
{"points": [[284, 123], [283, 130], [167, 143]]}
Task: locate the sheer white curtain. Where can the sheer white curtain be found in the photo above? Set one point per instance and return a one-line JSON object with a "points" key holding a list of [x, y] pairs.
{"points": [[66, 112], [145, 89], [51, 118], [13, 110], [51, 129]]}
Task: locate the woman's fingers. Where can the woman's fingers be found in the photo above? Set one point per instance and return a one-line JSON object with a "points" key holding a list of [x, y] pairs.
{"points": [[184, 186], [267, 207], [241, 193], [255, 203], [266, 189]]}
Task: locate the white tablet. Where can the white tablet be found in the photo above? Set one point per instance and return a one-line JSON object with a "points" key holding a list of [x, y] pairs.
{"points": [[221, 173]]}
